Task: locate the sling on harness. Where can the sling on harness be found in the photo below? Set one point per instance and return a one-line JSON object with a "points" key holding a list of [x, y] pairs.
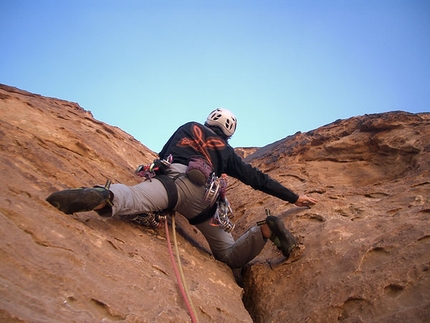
{"points": [[157, 170]]}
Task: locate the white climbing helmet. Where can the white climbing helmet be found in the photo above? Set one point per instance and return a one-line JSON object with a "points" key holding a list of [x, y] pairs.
{"points": [[224, 119]]}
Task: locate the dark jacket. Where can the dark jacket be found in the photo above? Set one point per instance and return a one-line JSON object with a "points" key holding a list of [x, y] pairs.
{"points": [[194, 139]]}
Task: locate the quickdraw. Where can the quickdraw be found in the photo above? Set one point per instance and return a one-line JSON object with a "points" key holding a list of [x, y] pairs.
{"points": [[151, 219], [222, 216], [217, 190], [212, 189]]}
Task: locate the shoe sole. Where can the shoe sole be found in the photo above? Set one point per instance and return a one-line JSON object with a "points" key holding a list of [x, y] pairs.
{"points": [[287, 240], [76, 200]]}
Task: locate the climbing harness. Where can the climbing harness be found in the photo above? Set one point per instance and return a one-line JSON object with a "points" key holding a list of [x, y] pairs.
{"points": [[158, 169], [158, 166]]}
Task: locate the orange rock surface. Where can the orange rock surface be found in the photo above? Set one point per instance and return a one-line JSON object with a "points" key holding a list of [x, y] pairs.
{"points": [[365, 245]]}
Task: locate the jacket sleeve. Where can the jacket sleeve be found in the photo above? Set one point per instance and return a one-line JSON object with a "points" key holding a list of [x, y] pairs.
{"points": [[252, 176]]}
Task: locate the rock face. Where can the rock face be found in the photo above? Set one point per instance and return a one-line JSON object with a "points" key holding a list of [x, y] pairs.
{"points": [[365, 246], [83, 268], [367, 242]]}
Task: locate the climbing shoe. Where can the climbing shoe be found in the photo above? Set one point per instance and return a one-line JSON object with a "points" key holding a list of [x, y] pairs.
{"points": [[79, 199], [281, 237]]}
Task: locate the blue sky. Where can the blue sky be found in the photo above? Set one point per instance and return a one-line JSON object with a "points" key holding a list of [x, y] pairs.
{"points": [[280, 66]]}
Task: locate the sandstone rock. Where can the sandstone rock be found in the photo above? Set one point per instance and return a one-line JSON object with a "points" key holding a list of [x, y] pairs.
{"points": [[367, 255], [83, 268], [365, 246]]}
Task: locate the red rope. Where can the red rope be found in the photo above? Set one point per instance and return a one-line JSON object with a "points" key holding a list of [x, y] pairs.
{"points": [[178, 278]]}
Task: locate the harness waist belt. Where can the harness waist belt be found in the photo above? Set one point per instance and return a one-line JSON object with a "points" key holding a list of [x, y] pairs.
{"points": [[204, 216]]}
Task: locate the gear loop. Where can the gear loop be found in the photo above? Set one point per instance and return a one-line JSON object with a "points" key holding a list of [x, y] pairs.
{"points": [[151, 220]]}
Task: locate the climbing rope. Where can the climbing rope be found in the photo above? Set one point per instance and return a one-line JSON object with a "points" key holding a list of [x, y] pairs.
{"points": [[180, 277]]}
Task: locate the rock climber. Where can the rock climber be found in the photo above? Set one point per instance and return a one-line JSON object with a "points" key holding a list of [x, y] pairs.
{"points": [[189, 180]]}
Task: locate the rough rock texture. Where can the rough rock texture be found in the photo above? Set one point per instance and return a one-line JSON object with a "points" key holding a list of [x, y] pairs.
{"points": [[365, 246], [245, 152], [83, 268], [367, 243]]}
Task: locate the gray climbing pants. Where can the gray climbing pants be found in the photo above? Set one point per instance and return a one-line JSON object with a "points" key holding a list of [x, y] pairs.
{"points": [[150, 196]]}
